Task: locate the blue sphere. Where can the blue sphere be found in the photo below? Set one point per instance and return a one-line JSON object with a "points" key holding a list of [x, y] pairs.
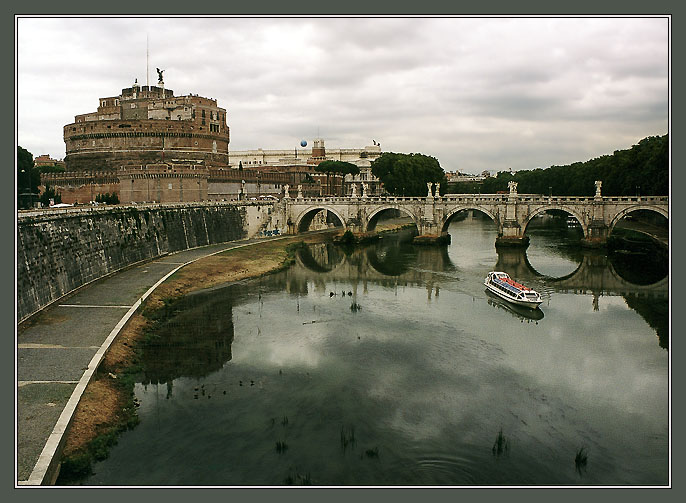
{"points": [[303, 143]]}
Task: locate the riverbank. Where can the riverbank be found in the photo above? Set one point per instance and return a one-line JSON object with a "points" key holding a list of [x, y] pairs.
{"points": [[107, 406]]}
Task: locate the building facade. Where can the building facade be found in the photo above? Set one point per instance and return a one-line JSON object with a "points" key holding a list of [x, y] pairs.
{"points": [[302, 161], [147, 125], [147, 145]]}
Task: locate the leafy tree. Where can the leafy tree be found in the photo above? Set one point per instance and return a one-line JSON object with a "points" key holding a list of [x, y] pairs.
{"points": [[48, 194], [28, 177], [336, 168], [107, 198], [642, 169], [407, 174]]}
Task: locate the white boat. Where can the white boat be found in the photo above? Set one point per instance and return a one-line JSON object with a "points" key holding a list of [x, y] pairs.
{"points": [[506, 288]]}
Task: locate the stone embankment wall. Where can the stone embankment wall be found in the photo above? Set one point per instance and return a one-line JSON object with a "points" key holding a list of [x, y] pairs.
{"points": [[58, 252]]}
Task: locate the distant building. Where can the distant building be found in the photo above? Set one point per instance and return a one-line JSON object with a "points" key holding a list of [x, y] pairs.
{"points": [[147, 145], [299, 162], [45, 160], [456, 177], [147, 125]]}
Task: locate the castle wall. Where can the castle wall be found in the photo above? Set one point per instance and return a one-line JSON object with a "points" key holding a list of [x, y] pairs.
{"points": [[108, 144], [79, 188], [83, 193], [58, 252], [163, 183]]}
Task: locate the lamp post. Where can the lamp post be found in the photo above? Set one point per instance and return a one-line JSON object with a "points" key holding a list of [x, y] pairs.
{"points": [[550, 191]]}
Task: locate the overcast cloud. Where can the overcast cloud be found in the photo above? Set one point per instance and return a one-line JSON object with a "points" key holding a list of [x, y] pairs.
{"points": [[476, 93]]}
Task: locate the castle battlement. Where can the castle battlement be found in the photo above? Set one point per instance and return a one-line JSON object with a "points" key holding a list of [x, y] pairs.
{"points": [[163, 171], [141, 124]]}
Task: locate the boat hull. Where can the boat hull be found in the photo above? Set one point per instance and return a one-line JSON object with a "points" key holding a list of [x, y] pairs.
{"points": [[518, 302]]}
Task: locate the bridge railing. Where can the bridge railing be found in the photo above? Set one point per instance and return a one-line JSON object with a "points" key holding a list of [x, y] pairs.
{"points": [[448, 198], [486, 198]]}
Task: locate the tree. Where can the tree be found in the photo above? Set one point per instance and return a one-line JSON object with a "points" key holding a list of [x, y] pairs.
{"points": [[641, 170], [107, 198], [28, 177], [407, 174], [48, 194], [336, 168]]}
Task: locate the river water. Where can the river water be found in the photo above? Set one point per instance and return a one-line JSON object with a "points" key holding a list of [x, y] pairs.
{"points": [[390, 365]]}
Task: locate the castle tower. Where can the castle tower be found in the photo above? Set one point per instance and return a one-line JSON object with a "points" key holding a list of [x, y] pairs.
{"points": [[148, 125], [318, 152]]}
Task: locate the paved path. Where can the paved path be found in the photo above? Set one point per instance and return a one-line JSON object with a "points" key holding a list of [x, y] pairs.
{"points": [[59, 349]]}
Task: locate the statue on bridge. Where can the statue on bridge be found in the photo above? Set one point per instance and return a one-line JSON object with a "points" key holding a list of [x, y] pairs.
{"points": [[285, 192], [428, 186], [438, 190], [598, 184], [364, 189], [512, 185], [300, 191], [354, 190]]}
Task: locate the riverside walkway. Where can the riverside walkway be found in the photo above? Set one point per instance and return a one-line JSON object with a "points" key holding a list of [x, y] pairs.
{"points": [[59, 349]]}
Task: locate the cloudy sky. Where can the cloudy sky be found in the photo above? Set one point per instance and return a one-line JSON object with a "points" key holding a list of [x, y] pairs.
{"points": [[476, 93]]}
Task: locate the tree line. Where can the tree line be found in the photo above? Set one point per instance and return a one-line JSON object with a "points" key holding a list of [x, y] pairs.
{"points": [[641, 170], [407, 174]]}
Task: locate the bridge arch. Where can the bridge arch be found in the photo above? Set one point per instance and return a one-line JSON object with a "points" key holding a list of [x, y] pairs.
{"points": [[373, 216], [580, 217], [624, 212], [453, 211], [304, 219]]}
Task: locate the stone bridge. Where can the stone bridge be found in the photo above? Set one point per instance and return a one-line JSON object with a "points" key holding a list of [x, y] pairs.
{"points": [[511, 212]]}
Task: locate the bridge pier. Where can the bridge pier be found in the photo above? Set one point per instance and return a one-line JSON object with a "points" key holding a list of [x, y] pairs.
{"points": [[596, 236], [512, 236]]}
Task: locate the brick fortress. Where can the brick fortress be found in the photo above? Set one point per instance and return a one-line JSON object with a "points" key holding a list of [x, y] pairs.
{"points": [[147, 145]]}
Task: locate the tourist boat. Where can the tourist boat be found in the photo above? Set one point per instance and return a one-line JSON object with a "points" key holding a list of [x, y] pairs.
{"points": [[523, 313], [506, 288]]}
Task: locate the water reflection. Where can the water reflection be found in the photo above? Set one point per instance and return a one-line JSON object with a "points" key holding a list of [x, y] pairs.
{"points": [[426, 369], [180, 347], [520, 312], [555, 247], [320, 257], [644, 289]]}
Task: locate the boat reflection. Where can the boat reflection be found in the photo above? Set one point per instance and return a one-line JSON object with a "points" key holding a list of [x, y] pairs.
{"points": [[523, 313]]}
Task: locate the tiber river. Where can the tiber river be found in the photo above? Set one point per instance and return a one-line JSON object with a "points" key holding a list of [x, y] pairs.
{"points": [[390, 365]]}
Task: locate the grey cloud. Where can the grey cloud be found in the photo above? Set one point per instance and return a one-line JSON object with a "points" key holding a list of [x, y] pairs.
{"points": [[471, 92]]}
